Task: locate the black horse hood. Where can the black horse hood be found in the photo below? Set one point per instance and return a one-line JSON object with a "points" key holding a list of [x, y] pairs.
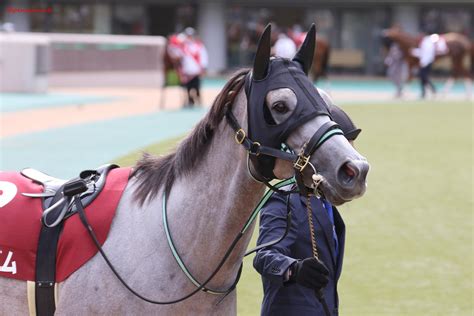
{"points": [[282, 73], [269, 74]]}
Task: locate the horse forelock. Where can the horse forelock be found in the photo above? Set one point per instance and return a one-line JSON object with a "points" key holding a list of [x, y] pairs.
{"points": [[153, 173]]}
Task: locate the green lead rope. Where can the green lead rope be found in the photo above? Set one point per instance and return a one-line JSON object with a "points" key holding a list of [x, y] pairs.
{"points": [[264, 200], [176, 255], [252, 217]]}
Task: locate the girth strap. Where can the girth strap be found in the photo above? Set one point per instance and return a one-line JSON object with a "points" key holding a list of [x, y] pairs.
{"points": [[46, 269]]}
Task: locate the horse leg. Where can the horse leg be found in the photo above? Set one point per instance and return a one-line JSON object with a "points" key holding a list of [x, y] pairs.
{"points": [[462, 72], [468, 87], [447, 86]]}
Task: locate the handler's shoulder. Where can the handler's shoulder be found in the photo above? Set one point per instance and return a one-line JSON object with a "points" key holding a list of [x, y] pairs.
{"points": [[278, 200]]}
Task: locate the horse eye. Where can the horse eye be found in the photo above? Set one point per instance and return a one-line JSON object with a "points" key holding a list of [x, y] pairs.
{"points": [[280, 107]]}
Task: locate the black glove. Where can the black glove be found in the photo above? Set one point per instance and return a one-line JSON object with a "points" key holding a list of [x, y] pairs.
{"points": [[311, 273]]}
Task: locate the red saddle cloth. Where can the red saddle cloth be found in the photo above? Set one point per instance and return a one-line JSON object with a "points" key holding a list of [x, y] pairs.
{"points": [[20, 224]]}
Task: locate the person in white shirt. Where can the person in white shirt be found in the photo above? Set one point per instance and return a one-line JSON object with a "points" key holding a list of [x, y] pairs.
{"points": [[284, 46], [194, 62], [426, 53]]}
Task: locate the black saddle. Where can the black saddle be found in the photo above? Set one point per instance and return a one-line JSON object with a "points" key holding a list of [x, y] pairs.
{"points": [[58, 204]]}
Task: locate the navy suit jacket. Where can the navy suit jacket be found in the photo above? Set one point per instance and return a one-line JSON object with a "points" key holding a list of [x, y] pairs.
{"points": [[287, 298]]}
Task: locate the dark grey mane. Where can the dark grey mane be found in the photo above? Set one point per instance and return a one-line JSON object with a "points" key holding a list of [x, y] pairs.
{"points": [[153, 172]]}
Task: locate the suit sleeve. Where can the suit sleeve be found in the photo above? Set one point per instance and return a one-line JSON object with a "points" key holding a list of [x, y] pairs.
{"points": [[274, 261]]}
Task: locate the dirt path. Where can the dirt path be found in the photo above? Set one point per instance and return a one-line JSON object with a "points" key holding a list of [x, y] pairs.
{"points": [[129, 102], [138, 101]]}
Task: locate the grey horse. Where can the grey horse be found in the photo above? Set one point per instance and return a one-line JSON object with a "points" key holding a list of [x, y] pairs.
{"points": [[211, 188]]}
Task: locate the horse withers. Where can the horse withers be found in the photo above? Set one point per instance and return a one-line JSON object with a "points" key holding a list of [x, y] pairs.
{"points": [[205, 191]]}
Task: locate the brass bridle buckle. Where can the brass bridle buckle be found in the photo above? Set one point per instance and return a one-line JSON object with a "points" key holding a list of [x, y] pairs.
{"points": [[301, 162], [255, 149], [240, 136]]}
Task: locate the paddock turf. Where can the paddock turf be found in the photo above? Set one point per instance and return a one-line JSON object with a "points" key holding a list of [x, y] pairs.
{"points": [[409, 239]]}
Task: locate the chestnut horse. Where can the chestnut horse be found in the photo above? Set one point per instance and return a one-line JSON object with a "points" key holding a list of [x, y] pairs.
{"points": [[321, 55], [459, 46], [320, 59]]}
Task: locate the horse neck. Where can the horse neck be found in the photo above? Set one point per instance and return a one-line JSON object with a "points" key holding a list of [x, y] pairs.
{"points": [[209, 206], [406, 42]]}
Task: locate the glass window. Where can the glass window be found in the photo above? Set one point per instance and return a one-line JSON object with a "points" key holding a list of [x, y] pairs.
{"points": [[128, 19], [66, 18], [444, 20]]}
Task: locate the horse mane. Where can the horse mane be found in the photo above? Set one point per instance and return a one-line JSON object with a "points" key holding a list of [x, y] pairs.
{"points": [[152, 172]]}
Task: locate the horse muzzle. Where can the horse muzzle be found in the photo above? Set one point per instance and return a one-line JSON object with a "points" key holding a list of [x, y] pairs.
{"points": [[350, 182], [351, 175]]}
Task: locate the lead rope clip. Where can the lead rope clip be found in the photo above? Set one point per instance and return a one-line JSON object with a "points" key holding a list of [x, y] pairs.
{"points": [[317, 180]]}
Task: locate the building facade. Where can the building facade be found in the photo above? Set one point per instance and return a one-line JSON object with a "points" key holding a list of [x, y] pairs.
{"points": [[229, 28]]}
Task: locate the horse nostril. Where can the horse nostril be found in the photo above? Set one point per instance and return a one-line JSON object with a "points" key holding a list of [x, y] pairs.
{"points": [[347, 173], [353, 173], [350, 172]]}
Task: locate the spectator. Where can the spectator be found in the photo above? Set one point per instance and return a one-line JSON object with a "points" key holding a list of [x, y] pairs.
{"points": [[189, 54], [284, 46], [194, 64]]}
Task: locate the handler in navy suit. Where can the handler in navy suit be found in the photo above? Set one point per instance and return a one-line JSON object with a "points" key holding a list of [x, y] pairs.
{"points": [[290, 273]]}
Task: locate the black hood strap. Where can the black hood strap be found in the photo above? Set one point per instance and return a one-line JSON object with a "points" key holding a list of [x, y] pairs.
{"points": [[254, 148]]}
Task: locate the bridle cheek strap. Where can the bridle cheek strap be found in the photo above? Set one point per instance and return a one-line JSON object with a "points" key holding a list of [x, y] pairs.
{"points": [[326, 131], [300, 161], [255, 148]]}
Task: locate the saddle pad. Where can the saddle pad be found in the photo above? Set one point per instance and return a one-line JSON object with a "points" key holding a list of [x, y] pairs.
{"points": [[20, 224]]}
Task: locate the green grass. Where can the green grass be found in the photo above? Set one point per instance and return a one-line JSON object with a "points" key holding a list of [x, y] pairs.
{"points": [[409, 245]]}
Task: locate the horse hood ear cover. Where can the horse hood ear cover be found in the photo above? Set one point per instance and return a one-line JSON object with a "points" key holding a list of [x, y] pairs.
{"points": [[276, 73]]}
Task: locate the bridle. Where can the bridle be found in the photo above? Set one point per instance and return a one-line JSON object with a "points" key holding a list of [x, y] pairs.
{"points": [[300, 162]]}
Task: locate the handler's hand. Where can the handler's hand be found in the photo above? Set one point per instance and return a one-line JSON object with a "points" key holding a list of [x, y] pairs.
{"points": [[311, 273]]}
